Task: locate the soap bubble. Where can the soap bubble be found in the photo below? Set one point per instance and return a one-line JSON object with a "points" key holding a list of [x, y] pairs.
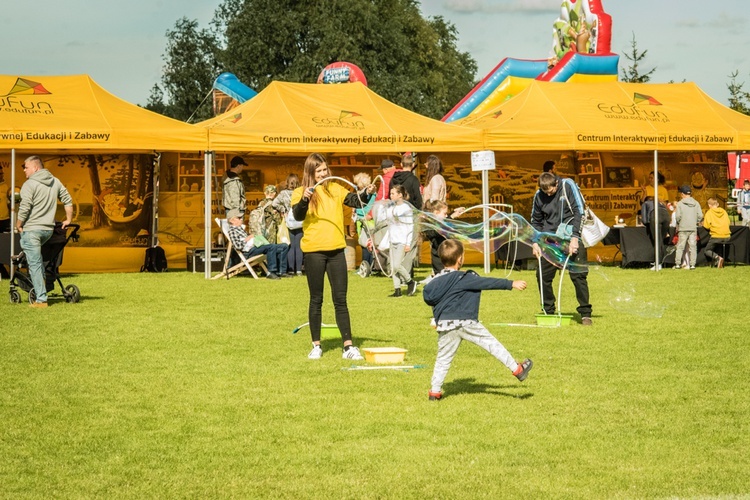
{"points": [[625, 299]]}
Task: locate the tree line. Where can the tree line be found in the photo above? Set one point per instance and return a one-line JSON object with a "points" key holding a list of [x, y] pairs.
{"points": [[411, 61]]}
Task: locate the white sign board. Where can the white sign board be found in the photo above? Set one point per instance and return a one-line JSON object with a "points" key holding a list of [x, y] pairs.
{"points": [[482, 160]]}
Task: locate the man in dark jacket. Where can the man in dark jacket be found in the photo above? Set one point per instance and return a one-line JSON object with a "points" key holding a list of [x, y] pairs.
{"points": [[559, 203]]}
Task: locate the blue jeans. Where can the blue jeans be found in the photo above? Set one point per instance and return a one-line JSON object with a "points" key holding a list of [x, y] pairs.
{"points": [[275, 256], [31, 243], [294, 257]]}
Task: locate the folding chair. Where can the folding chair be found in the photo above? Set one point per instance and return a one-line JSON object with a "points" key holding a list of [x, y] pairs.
{"points": [[245, 264]]}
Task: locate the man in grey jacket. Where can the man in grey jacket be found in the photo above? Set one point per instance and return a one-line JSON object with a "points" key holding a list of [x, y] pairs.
{"points": [[36, 218], [687, 215], [234, 188]]}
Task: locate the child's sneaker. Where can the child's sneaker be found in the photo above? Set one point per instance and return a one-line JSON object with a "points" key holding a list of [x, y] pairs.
{"points": [[523, 370], [411, 288], [435, 396], [352, 353], [316, 353]]}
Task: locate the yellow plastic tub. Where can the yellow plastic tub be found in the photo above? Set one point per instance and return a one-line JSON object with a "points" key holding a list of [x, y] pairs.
{"points": [[384, 355]]}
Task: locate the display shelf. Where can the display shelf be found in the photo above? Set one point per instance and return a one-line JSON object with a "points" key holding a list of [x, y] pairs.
{"points": [[590, 181], [188, 176], [589, 170], [357, 161], [703, 163]]}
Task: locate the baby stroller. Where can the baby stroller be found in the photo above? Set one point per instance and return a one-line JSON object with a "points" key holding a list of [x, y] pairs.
{"points": [[52, 253]]}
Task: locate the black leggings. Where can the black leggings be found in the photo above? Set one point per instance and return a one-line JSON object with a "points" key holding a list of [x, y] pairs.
{"points": [[317, 265]]}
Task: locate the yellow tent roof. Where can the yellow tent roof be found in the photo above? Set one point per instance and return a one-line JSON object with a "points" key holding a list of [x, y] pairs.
{"points": [[345, 118], [42, 113], [612, 116]]}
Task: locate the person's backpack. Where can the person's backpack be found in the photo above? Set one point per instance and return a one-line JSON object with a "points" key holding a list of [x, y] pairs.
{"points": [[156, 260]]}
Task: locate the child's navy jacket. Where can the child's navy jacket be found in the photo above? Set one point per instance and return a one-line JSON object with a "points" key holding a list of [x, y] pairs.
{"points": [[456, 294]]}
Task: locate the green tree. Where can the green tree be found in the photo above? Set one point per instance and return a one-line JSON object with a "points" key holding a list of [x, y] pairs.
{"points": [[632, 73], [407, 59], [155, 101], [191, 65], [739, 100]]}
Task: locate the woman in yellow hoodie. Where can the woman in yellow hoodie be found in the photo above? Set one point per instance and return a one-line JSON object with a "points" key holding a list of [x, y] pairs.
{"points": [[320, 208], [716, 221]]}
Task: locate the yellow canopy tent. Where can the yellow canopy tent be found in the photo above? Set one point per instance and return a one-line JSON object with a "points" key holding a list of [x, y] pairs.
{"points": [[43, 113], [612, 116], [346, 118], [73, 115]]}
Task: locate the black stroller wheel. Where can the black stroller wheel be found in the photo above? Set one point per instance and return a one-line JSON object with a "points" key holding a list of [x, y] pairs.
{"points": [[73, 294], [15, 297], [32, 296]]}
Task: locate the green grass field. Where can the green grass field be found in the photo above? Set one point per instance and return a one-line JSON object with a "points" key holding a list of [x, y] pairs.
{"points": [[164, 386]]}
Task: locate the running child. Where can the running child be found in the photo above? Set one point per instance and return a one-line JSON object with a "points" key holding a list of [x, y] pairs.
{"points": [[454, 297]]}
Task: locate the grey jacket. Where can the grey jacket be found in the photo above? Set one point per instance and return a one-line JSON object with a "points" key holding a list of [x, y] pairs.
{"points": [[688, 214], [39, 195], [234, 193]]}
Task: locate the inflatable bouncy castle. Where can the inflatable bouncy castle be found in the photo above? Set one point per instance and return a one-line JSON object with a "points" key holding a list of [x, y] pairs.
{"points": [[229, 92], [581, 41]]}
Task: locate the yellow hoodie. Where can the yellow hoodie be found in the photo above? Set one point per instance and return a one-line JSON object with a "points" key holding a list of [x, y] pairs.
{"points": [[716, 221]]}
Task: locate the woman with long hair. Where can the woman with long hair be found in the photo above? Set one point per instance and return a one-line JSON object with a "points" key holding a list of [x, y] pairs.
{"points": [[319, 207], [434, 184]]}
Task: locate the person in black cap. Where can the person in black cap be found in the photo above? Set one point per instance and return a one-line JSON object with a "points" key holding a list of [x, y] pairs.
{"points": [[234, 188], [688, 215]]}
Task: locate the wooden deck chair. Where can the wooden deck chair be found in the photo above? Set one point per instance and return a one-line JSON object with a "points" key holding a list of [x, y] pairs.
{"points": [[245, 264]]}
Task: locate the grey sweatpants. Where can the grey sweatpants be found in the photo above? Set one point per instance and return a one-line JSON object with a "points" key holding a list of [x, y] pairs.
{"points": [[475, 333], [689, 238]]}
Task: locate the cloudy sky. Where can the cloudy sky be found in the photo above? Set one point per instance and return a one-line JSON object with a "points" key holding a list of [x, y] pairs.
{"points": [[120, 44]]}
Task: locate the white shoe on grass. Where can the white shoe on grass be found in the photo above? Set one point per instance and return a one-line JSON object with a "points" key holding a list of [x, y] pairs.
{"points": [[352, 353], [316, 353]]}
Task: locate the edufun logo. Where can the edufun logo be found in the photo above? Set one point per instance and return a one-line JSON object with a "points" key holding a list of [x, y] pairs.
{"points": [[17, 99], [346, 119]]}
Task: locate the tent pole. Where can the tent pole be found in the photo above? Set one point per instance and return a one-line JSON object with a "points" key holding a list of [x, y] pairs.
{"points": [[486, 219], [207, 196], [155, 203], [12, 211], [657, 234]]}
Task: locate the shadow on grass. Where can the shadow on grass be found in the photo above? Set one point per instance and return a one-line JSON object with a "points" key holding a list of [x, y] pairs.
{"points": [[357, 341], [471, 386]]}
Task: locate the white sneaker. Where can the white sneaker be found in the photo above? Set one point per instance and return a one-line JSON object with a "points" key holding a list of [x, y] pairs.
{"points": [[352, 353], [316, 353], [656, 268]]}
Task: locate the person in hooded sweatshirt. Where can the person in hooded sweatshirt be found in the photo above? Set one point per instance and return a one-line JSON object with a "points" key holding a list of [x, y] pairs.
{"points": [[454, 297], [234, 189], [687, 215], [406, 177], [716, 221], [36, 219]]}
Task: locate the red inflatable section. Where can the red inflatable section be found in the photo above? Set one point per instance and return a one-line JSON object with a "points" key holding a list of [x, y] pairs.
{"points": [[604, 37], [342, 72]]}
